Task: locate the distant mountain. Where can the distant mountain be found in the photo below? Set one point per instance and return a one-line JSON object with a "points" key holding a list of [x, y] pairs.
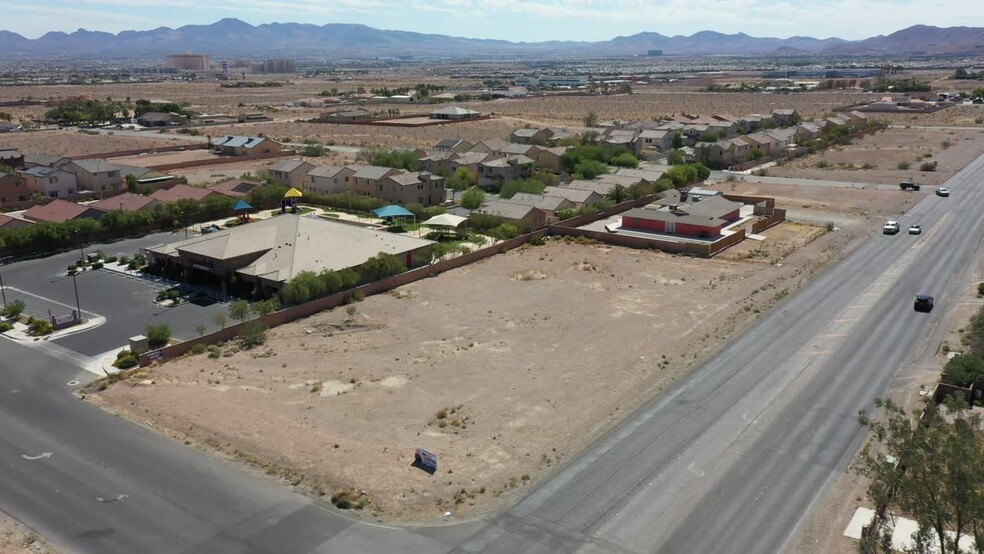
{"points": [[234, 37], [918, 39]]}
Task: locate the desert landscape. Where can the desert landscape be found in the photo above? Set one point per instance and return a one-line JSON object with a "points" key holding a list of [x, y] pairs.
{"points": [[17, 539]]}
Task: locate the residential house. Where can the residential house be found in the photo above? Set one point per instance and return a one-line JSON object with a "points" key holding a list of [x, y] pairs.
{"points": [[491, 146], [579, 197], [8, 222], [13, 189], [291, 173], [549, 204], [857, 118], [750, 123], [417, 187], [471, 160], [49, 181], [550, 159], [531, 136], [492, 174], [807, 131], [45, 160], [783, 138], [10, 157], [127, 202], [600, 187], [515, 149], [147, 176], [703, 219], [347, 115], [715, 154], [655, 139], [558, 134], [246, 146], [627, 139], [612, 179], [61, 210], [365, 179], [724, 129], [453, 145], [839, 121], [96, 175], [182, 192], [161, 119], [437, 162], [785, 117], [528, 217], [454, 113], [692, 133], [641, 173], [760, 142], [237, 188]]}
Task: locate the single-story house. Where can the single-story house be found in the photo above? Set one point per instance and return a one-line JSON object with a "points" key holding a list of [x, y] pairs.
{"points": [[807, 131], [703, 219], [348, 115], [529, 217], [291, 173], [128, 202], [454, 113], [528, 135], [182, 192], [246, 146], [8, 222], [329, 179], [61, 210], [579, 197], [270, 252], [453, 145], [558, 134], [838, 121], [549, 204], [161, 119], [236, 188]]}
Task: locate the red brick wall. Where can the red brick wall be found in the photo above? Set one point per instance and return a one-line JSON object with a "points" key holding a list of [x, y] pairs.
{"points": [[682, 229]]}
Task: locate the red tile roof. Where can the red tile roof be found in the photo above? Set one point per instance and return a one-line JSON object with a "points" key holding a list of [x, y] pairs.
{"points": [[7, 222], [180, 192], [237, 188], [127, 202], [56, 210]]}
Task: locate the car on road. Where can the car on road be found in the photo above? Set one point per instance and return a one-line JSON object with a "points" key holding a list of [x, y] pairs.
{"points": [[923, 303], [942, 191], [909, 184], [891, 227], [915, 229]]}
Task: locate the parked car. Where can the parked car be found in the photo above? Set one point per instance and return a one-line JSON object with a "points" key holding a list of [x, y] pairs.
{"points": [[915, 229], [891, 228], [923, 303], [942, 191], [909, 184]]}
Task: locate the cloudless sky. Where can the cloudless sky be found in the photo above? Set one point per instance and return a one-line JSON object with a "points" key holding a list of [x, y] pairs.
{"points": [[517, 20]]}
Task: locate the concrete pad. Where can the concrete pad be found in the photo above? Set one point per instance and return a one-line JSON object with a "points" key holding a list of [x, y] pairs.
{"points": [[862, 517]]}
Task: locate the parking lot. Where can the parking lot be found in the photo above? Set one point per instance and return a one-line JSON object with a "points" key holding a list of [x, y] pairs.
{"points": [[127, 302]]}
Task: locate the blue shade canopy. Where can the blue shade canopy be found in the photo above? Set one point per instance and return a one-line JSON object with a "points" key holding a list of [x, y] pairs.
{"points": [[392, 211], [241, 205]]}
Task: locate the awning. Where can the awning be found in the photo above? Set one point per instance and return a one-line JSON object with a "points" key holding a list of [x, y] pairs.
{"points": [[445, 220], [392, 211], [241, 205], [293, 193]]}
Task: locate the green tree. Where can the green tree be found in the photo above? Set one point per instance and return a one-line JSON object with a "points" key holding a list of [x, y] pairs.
{"points": [[4, 116], [239, 310], [591, 120], [253, 334], [930, 467], [676, 158], [158, 335], [589, 169], [618, 194], [201, 328], [677, 141], [462, 180], [529, 186], [472, 198], [625, 159], [755, 155], [131, 182], [313, 150], [6, 169], [964, 371], [505, 231], [265, 307]]}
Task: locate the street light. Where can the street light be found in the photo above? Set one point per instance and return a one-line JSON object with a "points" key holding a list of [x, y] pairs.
{"points": [[2, 292], [81, 243], [78, 308]]}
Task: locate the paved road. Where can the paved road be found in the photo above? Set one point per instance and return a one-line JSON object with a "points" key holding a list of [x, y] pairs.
{"points": [[729, 460], [797, 181]]}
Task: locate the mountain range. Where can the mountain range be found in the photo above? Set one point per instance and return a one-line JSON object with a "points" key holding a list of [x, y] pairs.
{"points": [[235, 37]]}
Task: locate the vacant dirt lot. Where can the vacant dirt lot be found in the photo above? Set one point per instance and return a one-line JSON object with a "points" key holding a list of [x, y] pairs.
{"points": [[503, 368], [876, 158], [74, 143], [17, 539]]}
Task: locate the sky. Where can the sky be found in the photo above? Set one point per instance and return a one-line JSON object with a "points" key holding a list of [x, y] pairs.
{"points": [[516, 20]]}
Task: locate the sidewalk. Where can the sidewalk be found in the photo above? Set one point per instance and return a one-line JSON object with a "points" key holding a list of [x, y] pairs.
{"points": [[19, 332]]}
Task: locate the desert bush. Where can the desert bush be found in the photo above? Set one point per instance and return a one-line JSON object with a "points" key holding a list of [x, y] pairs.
{"points": [[5, 326], [14, 309], [927, 166], [158, 335], [348, 499], [40, 327], [125, 359], [252, 335], [964, 371], [980, 289], [903, 165], [214, 351], [198, 348]]}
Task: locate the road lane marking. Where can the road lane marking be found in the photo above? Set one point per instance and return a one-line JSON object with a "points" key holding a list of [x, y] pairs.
{"points": [[847, 320], [832, 335], [38, 457]]}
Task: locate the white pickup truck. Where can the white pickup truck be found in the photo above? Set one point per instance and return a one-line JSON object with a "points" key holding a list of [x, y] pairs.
{"points": [[891, 227]]}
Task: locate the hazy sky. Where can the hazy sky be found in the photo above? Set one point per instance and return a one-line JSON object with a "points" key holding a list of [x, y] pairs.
{"points": [[526, 20]]}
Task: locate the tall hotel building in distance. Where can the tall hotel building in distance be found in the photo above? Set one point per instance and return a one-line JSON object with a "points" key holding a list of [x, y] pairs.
{"points": [[188, 61]]}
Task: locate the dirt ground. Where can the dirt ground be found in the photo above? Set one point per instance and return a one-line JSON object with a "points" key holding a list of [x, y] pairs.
{"points": [[495, 367], [74, 143], [17, 539], [882, 153]]}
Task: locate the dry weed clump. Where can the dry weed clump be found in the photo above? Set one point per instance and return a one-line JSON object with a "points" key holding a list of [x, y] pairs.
{"points": [[531, 275], [452, 416], [348, 499]]}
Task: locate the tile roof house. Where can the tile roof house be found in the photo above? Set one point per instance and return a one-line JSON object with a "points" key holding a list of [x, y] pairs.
{"points": [[290, 173], [270, 252], [492, 146], [245, 146], [61, 210], [437, 162], [578, 196], [514, 149], [529, 135], [11, 157], [365, 178], [127, 201], [470, 160], [549, 204], [454, 113], [329, 179], [453, 145], [550, 159], [96, 175], [494, 173], [49, 181], [417, 187], [529, 217], [236, 188], [8, 222], [182, 192]]}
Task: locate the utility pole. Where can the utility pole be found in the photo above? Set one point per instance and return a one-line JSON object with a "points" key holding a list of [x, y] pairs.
{"points": [[77, 306], [2, 292]]}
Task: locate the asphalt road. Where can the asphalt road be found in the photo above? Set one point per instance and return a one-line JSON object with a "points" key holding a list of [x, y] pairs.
{"points": [[729, 460]]}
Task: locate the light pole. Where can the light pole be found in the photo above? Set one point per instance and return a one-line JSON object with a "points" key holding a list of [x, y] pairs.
{"points": [[81, 250], [2, 292], [78, 308]]}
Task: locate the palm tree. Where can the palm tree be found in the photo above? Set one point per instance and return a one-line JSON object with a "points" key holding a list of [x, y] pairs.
{"points": [[618, 194]]}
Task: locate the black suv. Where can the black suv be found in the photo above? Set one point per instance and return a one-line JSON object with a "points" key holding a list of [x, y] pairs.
{"points": [[924, 303]]}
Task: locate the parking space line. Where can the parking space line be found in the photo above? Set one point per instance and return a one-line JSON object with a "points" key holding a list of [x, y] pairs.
{"points": [[46, 299]]}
